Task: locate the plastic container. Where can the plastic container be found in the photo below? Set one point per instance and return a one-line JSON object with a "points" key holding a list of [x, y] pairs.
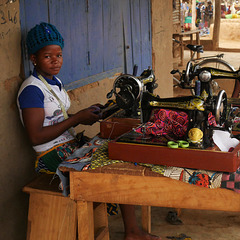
{"points": [[188, 20]]}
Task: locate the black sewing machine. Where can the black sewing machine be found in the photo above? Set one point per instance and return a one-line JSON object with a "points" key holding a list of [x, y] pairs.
{"points": [[135, 96], [128, 89]]}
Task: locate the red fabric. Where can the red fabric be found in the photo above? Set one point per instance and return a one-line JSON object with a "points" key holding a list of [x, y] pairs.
{"points": [[166, 122]]}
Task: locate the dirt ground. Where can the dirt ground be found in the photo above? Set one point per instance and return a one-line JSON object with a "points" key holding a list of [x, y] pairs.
{"points": [[197, 224]]}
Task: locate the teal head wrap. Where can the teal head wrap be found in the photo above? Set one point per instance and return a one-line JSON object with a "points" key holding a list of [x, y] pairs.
{"points": [[41, 35]]}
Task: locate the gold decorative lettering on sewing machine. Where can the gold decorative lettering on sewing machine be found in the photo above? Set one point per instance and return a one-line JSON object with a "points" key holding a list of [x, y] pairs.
{"points": [[196, 103], [217, 73], [206, 74]]}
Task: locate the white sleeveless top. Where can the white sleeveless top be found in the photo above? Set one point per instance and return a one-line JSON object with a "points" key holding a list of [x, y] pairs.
{"points": [[53, 112]]}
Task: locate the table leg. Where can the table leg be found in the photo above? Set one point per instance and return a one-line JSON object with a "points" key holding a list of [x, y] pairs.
{"points": [[181, 51], [175, 46], [198, 43], [146, 219], [191, 42], [85, 220]]}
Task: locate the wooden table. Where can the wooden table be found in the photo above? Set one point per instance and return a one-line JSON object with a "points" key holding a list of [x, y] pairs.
{"points": [[190, 34], [126, 183]]}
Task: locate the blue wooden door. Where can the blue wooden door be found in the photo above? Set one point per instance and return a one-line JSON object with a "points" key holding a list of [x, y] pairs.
{"points": [[101, 36], [137, 34]]}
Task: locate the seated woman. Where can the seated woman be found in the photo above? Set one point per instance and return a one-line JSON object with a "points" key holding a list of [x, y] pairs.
{"points": [[43, 105]]}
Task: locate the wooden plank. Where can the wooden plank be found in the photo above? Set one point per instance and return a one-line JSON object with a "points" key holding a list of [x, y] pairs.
{"points": [[181, 50], [102, 234], [146, 219], [45, 183], [216, 25], [150, 191], [198, 43], [189, 32], [85, 220], [100, 218], [51, 217]]}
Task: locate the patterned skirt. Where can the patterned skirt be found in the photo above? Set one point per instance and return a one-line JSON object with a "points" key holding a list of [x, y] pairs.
{"points": [[48, 161]]}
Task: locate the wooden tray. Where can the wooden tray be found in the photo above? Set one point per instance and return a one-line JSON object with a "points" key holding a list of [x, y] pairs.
{"points": [[114, 127], [207, 159]]}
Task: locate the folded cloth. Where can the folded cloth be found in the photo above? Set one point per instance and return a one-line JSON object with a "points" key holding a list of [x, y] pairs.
{"points": [[80, 160], [202, 178]]}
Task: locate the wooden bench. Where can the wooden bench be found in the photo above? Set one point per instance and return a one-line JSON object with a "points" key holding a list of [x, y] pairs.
{"points": [[53, 216], [179, 36]]}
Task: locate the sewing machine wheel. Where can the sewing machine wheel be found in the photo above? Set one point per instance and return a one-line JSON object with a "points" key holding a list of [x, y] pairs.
{"points": [[127, 90], [188, 74], [125, 99], [221, 107]]}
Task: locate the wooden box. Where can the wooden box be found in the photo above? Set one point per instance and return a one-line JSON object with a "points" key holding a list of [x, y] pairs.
{"points": [[207, 159], [114, 127]]}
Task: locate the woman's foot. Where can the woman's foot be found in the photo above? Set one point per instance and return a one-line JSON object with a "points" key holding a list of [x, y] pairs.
{"points": [[141, 235]]}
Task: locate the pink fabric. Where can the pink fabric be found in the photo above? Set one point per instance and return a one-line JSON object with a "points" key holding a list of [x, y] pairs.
{"points": [[166, 122]]}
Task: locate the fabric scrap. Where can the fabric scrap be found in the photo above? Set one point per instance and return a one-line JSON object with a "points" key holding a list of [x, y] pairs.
{"points": [[231, 181], [80, 160], [202, 178]]}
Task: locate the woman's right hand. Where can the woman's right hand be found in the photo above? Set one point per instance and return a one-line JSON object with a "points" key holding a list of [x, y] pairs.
{"points": [[89, 116]]}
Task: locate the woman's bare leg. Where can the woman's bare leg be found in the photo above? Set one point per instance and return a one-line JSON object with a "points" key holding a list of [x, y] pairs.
{"points": [[132, 231]]}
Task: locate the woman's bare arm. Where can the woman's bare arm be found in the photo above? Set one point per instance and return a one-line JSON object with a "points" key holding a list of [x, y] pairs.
{"points": [[33, 119]]}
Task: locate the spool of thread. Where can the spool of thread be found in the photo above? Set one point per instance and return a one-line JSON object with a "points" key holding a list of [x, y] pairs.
{"points": [[197, 88]]}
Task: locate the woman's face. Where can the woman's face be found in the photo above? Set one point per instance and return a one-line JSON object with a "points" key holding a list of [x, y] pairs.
{"points": [[48, 60]]}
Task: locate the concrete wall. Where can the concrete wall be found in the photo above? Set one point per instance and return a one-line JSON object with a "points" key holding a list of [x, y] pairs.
{"points": [[162, 46], [16, 155], [229, 29]]}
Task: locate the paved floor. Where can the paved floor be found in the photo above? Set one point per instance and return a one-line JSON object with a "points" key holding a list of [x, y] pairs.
{"points": [[199, 225]]}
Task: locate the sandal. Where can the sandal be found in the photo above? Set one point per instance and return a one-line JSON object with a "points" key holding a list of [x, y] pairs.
{"points": [[182, 236], [173, 219]]}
